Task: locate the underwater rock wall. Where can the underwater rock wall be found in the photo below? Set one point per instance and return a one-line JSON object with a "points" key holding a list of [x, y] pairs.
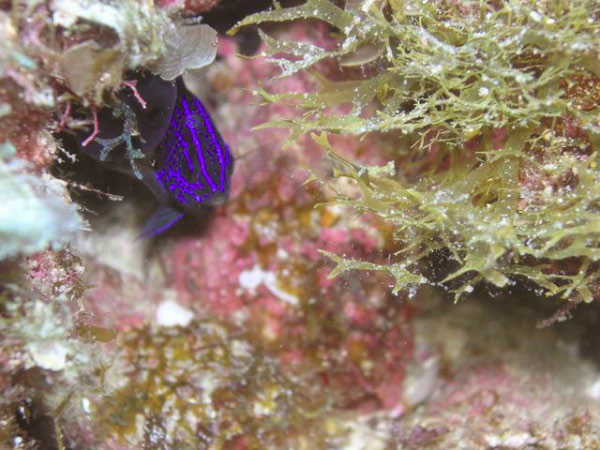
{"points": [[228, 329]]}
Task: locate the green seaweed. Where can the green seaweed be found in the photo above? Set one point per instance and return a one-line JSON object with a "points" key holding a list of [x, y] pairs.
{"points": [[494, 103]]}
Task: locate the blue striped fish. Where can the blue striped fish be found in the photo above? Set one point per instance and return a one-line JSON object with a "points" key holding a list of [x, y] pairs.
{"points": [[193, 165]]}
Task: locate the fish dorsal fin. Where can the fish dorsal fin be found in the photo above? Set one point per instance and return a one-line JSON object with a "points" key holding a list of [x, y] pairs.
{"points": [[163, 219]]}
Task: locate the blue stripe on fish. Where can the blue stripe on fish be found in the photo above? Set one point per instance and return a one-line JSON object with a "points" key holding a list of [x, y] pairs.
{"points": [[190, 124], [213, 138], [183, 144]]}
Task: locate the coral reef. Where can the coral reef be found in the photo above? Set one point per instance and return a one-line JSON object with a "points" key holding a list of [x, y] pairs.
{"points": [[50, 61], [205, 385], [36, 211], [227, 331], [256, 268], [50, 354], [501, 389], [57, 59]]}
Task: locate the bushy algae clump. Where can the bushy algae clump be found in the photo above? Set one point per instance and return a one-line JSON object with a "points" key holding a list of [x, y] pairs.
{"points": [[492, 108], [206, 386]]}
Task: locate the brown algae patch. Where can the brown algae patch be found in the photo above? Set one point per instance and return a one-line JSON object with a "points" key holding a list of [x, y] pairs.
{"points": [[203, 385]]}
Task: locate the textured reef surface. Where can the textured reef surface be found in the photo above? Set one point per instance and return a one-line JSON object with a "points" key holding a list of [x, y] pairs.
{"points": [[391, 158]]}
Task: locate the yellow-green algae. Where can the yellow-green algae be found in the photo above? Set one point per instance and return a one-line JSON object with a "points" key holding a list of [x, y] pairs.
{"points": [[205, 386], [493, 107]]}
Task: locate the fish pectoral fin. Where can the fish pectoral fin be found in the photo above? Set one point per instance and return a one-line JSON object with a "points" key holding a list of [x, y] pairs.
{"points": [[163, 219]]}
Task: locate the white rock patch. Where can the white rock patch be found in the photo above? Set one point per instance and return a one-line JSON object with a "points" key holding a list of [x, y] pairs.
{"points": [[172, 314], [253, 278]]}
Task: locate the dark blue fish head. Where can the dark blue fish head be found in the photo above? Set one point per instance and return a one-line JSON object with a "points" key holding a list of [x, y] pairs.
{"points": [[151, 120], [193, 166]]}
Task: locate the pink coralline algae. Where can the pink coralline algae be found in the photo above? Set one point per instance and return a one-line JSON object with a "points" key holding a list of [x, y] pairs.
{"points": [[489, 405], [259, 263], [257, 270]]}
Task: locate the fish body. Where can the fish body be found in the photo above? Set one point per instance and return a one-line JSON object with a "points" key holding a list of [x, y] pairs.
{"points": [[182, 157], [193, 165]]}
